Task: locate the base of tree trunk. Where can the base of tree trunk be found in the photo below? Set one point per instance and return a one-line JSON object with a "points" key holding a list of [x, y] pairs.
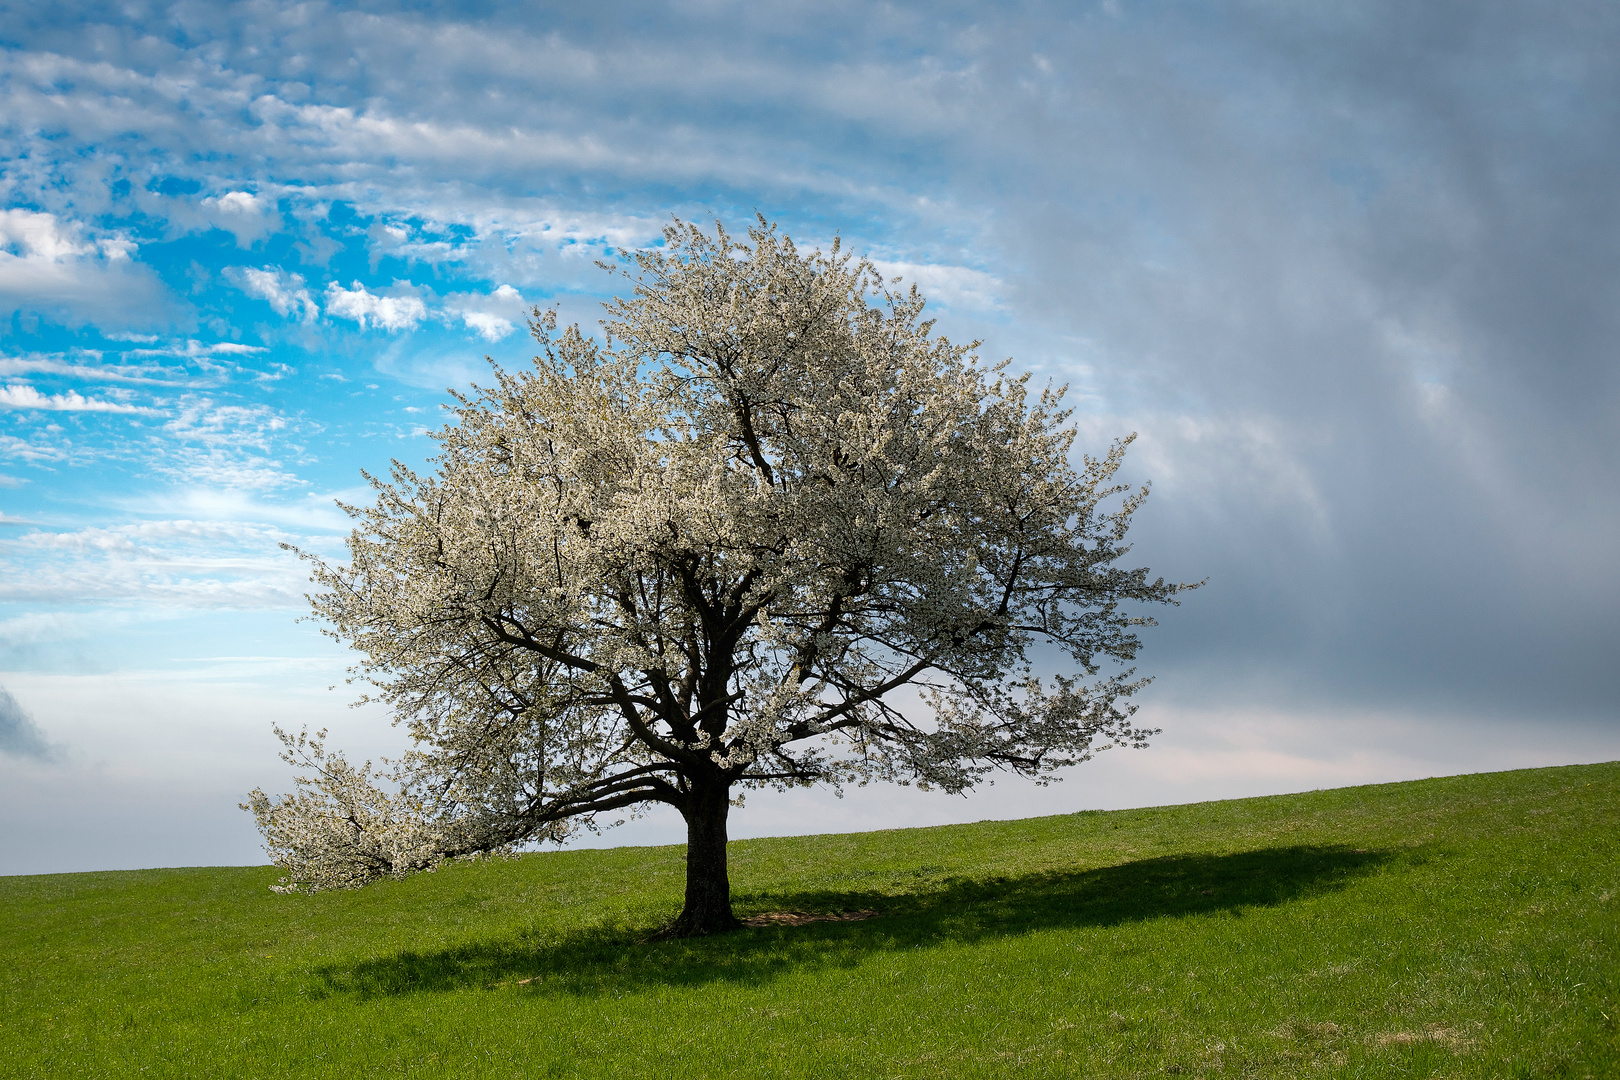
{"points": [[684, 927], [707, 909]]}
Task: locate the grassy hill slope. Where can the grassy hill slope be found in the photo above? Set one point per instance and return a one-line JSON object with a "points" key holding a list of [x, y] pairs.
{"points": [[1461, 927]]}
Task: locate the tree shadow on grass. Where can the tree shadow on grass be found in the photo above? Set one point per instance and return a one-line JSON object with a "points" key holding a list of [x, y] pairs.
{"points": [[619, 959]]}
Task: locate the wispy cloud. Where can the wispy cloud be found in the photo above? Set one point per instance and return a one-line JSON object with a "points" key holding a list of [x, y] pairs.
{"points": [[34, 451], [311, 515], [199, 350], [163, 564], [227, 469], [284, 291], [228, 445], [96, 371], [23, 396], [213, 423]]}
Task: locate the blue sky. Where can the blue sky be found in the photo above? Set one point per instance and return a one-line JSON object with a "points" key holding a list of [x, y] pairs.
{"points": [[1352, 272]]}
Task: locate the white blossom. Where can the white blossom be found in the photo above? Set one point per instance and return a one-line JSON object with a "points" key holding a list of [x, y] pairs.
{"points": [[705, 555]]}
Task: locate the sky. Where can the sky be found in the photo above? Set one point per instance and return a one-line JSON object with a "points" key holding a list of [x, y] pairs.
{"points": [[1351, 272]]}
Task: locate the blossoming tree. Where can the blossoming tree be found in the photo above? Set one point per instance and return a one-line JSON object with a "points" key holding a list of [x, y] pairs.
{"points": [[773, 532]]}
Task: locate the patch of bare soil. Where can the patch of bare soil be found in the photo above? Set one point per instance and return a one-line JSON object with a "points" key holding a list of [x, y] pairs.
{"points": [[1406, 1038], [799, 918]]}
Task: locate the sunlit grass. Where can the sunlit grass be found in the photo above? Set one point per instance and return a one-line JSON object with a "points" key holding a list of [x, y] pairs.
{"points": [[1464, 927]]}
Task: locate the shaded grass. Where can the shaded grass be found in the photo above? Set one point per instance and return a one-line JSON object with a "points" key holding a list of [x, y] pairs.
{"points": [[1461, 927], [962, 911]]}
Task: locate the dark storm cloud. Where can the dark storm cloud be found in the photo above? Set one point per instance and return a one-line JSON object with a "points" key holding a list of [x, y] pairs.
{"points": [[1354, 274]]}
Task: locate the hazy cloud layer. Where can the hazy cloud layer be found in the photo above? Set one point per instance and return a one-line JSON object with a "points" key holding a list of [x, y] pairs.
{"points": [[159, 564]]}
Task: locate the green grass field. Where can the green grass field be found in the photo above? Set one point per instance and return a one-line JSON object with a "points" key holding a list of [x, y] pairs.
{"points": [[1462, 927]]}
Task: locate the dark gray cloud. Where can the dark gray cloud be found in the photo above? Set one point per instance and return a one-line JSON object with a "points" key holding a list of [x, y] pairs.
{"points": [[1353, 274], [19, 735]]}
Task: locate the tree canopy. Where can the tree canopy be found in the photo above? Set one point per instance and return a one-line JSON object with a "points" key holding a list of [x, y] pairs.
{"points": [[770, 530]]}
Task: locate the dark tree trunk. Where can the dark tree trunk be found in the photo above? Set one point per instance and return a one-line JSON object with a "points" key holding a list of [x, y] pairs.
{"points": [[708, 889]]}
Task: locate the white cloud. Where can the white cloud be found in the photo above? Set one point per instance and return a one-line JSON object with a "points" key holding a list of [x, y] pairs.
{"points": [[393, 313], [50, 265], [30, 235], [391, 238], [155, 760], [491, 316], [284, 291], [23, 396], [236, 202], [950, 286], [242, 214], [489, 327]]}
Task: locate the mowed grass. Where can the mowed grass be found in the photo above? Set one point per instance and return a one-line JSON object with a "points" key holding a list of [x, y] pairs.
{"points": [[1460, 927]]}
